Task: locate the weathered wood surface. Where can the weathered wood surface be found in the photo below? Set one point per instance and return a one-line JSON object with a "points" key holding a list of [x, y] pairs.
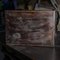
{"points": [[30, 28]]}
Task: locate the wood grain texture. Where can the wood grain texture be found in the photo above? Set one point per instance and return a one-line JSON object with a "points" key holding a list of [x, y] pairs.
{"points": [[30, 28]]}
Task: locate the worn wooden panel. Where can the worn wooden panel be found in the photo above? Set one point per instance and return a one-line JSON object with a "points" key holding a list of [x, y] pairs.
{"points": [[30, 28]]}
